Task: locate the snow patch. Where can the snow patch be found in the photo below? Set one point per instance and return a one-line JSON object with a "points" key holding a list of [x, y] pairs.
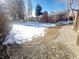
{"points": [[22, 32]]}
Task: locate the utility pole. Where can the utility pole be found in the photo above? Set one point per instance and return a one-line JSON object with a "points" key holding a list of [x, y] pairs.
{"points": [[29, 9]]}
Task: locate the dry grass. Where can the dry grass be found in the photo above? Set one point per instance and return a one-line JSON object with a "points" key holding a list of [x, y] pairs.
{"points": [[66, 39], [51, 46], [54, 50], [50, 34], [35, 50]]}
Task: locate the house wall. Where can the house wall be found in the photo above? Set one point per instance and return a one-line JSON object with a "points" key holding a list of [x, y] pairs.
{"points": [[63, 16]]}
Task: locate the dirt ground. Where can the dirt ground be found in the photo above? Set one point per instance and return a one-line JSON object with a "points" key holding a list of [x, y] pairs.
{"points": [[58, 43]]}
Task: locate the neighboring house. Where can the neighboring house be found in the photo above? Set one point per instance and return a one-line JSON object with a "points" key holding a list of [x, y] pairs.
{"points": [[56, 16], [61, 16]]}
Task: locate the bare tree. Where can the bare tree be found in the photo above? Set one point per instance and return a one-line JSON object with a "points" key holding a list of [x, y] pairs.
{"points": [[75, 27], [29, 9], [4, 21], [21, 9], [68, 7], [76, 22], [17, 8]]}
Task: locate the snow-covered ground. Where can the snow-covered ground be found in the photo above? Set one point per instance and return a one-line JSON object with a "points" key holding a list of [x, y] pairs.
{"points": [[37, 24], [22, 32]]}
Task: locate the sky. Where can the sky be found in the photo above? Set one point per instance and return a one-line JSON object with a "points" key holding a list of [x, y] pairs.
{"points": [[48, 5], [51, 5]]}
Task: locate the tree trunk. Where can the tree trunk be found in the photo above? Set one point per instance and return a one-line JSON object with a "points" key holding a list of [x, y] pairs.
{"points": [[36, 18], [77, 40], [75, 26]]}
